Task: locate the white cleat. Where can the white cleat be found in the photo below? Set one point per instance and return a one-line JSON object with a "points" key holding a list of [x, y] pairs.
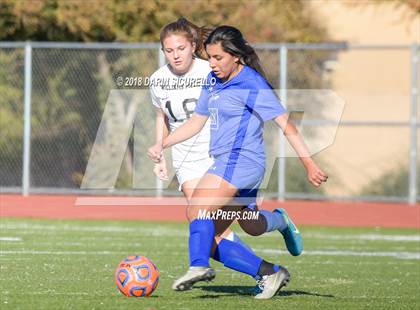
{"points": [[271, 284], [193, 275]]}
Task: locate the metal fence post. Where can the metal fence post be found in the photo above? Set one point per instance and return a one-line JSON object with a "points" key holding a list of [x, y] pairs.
{"points": [[412, 192], [159, 182], [26, 174], [281, 167]]}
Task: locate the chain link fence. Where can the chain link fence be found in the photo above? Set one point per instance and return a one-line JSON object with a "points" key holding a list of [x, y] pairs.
{"points": [[11, 116], [63, 90]]}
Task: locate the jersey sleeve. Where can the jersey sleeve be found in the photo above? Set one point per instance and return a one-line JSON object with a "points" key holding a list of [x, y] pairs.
{"points": [[154, 96], [267, 105], [202, 106]]}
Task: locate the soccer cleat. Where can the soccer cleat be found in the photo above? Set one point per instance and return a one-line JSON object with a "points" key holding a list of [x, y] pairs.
{"points": [[271, 284], [291, 234], [193, 275]]}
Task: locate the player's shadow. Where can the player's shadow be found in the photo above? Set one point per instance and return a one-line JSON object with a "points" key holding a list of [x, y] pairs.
{"points": [[226, 290], [298, 292], [234, 290]]}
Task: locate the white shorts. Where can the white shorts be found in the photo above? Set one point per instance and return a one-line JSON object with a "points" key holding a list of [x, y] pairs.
{"points": [[190, 170]]}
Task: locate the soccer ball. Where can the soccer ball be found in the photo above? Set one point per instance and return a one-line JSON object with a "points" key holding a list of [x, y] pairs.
{"points": [[136, 276]]}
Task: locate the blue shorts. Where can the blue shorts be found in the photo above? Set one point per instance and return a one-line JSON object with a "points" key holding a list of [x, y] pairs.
{"points": [[243, 173]]}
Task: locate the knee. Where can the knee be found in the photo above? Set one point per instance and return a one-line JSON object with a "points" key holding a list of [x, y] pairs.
{"points": [[190, 214], [193, 211], [217, 239]]}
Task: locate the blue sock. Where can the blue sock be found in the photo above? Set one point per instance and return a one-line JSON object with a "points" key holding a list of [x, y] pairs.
{"points": [[235, 238], [274, 220], [200, 242], [236, 256]]}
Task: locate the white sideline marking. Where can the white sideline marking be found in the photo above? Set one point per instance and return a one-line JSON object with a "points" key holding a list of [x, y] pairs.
{"points": [[172, 231], [372, 237], [59, 252], [154, 231], [49, 292], [165, 231], [10, 239], [400, 255]]}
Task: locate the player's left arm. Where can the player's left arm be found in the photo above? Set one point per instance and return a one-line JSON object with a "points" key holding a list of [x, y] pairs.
{"points": [[315, 175], [160, 169], [162, 131]]}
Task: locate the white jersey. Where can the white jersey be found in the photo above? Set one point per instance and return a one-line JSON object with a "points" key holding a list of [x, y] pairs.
{"points": [[177, 96]]}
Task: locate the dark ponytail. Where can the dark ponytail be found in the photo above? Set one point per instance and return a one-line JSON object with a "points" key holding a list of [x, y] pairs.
{"points": [[233, 42], [192, 32]]}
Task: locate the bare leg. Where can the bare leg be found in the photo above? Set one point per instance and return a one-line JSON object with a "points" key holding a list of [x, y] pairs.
{"points": [[212, 193], [222, 226], [222, 229], [253, 227]]}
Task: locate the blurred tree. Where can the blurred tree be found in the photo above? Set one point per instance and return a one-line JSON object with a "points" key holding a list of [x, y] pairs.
{"points": [[391, 183], [410, 8], [132, 21]]}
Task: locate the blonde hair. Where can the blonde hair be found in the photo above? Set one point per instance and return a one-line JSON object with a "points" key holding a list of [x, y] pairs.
{"points": [[192, 32]]}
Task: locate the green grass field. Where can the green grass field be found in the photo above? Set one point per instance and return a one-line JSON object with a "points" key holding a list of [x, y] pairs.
{"points": [[57, 264]]}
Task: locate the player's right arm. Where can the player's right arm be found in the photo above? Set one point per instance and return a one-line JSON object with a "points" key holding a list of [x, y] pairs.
{"points": [[189, 129]]}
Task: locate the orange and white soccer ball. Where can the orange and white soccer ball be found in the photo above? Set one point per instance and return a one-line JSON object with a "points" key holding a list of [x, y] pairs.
{"points": [[137, 276]]}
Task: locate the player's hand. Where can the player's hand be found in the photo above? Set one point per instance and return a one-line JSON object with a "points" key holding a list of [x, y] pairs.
{"points": [[160, 170], [315, 175], [155, 152]]}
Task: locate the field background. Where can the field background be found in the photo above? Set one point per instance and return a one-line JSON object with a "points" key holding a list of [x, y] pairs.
{"points": [[68, 264]]}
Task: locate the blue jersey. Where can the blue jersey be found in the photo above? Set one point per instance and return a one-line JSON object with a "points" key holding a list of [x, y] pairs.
{"points": [[238, 109]]}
